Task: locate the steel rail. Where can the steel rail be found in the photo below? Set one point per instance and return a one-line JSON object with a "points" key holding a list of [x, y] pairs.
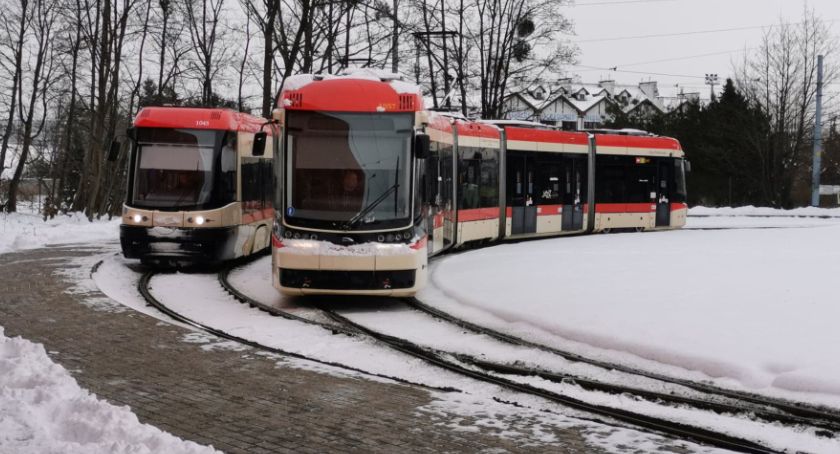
{"points": [[590, 385], [144, 287], [659, 425], [821, 417], [700, 404]]}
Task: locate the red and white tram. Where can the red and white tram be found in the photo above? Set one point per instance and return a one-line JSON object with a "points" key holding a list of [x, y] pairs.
{"points": [[199, 186], [371, 185]]}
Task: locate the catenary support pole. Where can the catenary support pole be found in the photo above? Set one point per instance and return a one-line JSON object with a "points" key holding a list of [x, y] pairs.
{"points": [[815, 175], [395, 42]]}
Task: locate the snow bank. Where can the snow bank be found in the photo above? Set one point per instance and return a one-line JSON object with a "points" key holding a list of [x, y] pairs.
{"points": [[763, 211], [753, 309], [28, 231], [43, 410]]}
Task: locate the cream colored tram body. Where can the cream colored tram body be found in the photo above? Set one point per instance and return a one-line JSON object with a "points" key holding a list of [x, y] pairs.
{"points": [[197, 193], [370, 185]]}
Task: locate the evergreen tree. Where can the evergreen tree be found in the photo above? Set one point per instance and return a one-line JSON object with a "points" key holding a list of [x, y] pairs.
{"points": [[151, 96]]}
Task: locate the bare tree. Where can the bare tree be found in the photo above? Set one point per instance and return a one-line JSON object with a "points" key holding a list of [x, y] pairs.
{"points": [[138, 80], [209, 47], [507, 35], [41, 61], [242, 65], [105, 34], [167, 42], [264, 14], [15, 25], [780, 77]]}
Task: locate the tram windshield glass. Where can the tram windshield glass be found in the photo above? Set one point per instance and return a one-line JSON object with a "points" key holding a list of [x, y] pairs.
{"points": [[348, 171], [177, 168]]}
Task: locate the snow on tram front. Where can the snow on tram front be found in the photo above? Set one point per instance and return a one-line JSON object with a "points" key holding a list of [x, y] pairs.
{"points": [[347, 190]]}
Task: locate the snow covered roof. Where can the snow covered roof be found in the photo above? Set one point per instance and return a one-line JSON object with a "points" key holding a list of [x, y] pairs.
{"points": [[586, 104], [395, 80]]}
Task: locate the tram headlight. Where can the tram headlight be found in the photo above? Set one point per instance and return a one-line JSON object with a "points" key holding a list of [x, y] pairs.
{"points": [[397, 237], [137, 218], [381, 238], [199, 220]]}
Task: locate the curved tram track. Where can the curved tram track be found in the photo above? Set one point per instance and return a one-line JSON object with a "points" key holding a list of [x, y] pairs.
{"points": [[144, 287], [495, 373], [817, 416], [825, 422]]}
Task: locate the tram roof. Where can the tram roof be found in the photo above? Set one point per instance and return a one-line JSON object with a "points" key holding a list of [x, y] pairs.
{"points": [[366, 91], [198, 118], [631, 141], [546, 135]]}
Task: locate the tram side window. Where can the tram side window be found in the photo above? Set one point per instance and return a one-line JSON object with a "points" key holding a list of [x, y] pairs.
{"points": [[469, 172], [641, 180], [549, 181], [420, 190], [432, 175], [267, 181], [444, 199], [256, 183], [489, 188], [227, 190], [680, 194], [610, 179], [478, 178]]}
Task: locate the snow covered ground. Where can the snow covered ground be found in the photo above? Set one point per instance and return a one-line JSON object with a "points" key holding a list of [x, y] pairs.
{"points": [[476, 399], [43, 410], [749, 308], [28, 231], [752, 309], [763, 211]]}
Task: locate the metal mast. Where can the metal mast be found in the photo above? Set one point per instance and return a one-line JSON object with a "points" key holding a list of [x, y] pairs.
{"points": [[815, 175]]}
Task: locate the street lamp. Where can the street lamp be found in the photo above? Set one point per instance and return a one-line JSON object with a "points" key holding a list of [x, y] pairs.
{"points": [[712, 80]]}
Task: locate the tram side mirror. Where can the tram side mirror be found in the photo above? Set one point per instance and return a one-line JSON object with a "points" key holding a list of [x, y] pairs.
{"points": [[114, 151], [259, 143], [421, 146], [687, 166]]}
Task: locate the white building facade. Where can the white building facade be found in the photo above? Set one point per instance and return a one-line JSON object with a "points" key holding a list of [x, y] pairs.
{"points": [[576, 106]]}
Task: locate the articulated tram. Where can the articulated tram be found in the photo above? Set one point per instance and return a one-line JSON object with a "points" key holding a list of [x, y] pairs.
{"points": [[371, 185], [199, 190]]}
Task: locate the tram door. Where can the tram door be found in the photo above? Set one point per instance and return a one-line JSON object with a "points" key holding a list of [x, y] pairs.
{"points": [[663, 193], [520, 196], [446, 201], [573, 192]]}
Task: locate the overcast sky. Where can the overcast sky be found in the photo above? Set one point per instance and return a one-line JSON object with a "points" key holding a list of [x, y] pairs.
{"points": [[598, 21]]}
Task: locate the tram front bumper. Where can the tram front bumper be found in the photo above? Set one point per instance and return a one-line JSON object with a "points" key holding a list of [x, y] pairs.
{"points": [[178, 244], [385, 273]]}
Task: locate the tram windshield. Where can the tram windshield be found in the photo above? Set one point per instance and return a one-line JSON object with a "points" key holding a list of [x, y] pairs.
{"points": [[348, 171], [177, 168]]}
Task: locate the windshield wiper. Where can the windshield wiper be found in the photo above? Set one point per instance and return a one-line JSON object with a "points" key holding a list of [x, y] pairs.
{"points": [[355, 219]]}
